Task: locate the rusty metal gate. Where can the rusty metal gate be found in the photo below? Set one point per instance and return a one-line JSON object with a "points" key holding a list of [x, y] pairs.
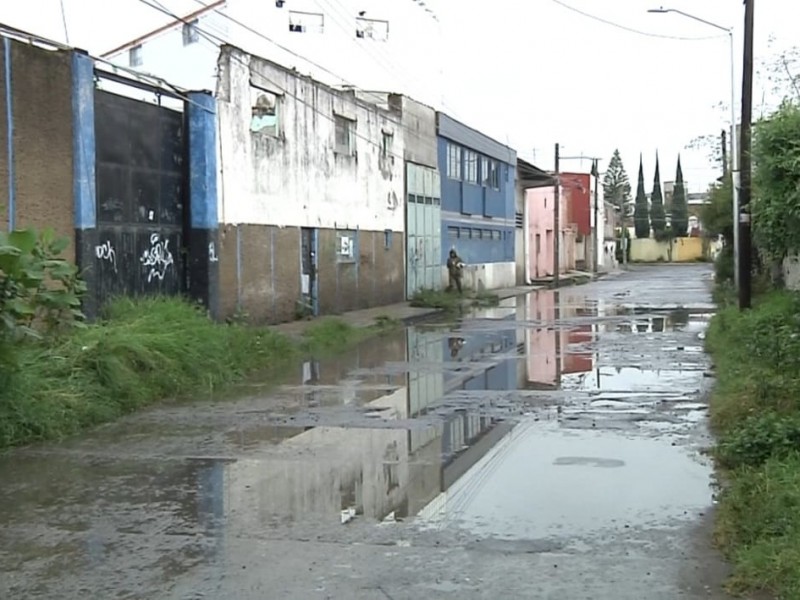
{"points": [[141, 185]]}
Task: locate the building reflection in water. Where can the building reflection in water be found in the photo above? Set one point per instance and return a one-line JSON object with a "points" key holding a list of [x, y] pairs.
{"points": [[327, 473]]}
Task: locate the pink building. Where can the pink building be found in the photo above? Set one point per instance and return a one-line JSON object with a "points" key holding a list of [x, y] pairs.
{"points": [[552, 352], [541, 217]]}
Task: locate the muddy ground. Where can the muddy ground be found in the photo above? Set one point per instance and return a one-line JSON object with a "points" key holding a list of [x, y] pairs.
{"points": [[550, 448]]}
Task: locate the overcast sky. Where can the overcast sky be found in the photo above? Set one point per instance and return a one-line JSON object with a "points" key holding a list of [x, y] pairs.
{"points": [[533, 72]]}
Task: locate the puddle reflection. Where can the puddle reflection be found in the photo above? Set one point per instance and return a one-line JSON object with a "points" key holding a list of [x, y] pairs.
{"points": [[390, 430]]}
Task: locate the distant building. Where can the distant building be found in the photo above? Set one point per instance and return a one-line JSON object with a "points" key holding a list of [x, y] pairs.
{"points": [[478, 189]]}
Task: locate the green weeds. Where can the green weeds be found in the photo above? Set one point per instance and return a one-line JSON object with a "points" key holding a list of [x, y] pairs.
{"points": [[756, 412], [143, 351], [453, 302]]}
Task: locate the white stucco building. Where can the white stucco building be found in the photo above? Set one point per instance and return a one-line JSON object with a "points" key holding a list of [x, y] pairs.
{"points": [[311, 194], [372, 44]]}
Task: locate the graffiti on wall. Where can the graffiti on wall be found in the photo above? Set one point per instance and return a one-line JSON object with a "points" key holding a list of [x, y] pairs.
{"points": [[157, 258], [212, 253], [106, 252]]}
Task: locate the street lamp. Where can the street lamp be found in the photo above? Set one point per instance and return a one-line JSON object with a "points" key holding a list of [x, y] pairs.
{"points": [[734, 136]]}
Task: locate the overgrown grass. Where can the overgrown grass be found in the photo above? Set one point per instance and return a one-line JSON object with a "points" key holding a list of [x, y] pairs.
{"points": [[756, 412], [452, 301], [142, 352]]}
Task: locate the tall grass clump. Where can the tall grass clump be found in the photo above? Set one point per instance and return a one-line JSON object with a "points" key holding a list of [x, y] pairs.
{"points": [[142, 351]]}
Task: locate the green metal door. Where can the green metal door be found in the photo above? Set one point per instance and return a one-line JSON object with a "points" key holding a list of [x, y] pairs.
{"points": [[423, 229]]}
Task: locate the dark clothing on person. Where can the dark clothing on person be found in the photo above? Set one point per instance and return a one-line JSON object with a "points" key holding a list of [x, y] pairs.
{"points": [[455, 268]]}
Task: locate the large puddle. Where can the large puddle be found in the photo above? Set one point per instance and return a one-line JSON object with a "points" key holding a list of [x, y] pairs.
{"points": [[551, 415]]}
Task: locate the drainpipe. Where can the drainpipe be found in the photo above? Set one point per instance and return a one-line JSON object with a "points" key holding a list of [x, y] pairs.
{"points": [[12, 192], [526, 231]]}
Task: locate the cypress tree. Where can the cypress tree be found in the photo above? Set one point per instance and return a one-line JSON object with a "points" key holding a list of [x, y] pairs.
{"points": [[658, 218], [679, 215], [641, 211]]}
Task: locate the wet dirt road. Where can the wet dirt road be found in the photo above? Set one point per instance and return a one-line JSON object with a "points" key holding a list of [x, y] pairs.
{"points": [[547, 448]]}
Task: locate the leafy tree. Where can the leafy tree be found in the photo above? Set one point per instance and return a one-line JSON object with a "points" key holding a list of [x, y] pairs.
{"points": [[717, 214], [617, 186], [641, 211], [658, 218], [776, 206], [679, 218]]}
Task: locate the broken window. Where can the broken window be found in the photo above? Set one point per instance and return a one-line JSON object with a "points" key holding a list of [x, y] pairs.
{"points": [[372, 29], [135, 56], [345, 135], [470, 167], [387, 141], [306, 22], [266, 112], [191, 35]]}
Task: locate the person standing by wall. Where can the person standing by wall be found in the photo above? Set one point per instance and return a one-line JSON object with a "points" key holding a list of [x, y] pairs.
{"points": [[455, 269]]}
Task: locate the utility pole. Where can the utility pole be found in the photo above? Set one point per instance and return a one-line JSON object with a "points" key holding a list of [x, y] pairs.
{"points": [[724, 145], [745, 163], [596, 251], [557, 222]]}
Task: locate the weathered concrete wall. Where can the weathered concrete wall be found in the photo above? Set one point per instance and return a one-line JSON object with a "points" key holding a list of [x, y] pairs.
{"points": [[42, 149], [253, 260], [419, 130], [375, 278], [296, 176], [260, 272], [302, 171], [682, 250]]}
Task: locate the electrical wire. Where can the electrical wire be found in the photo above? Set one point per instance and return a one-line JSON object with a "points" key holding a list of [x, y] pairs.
{"points": [[217, 40], [309, 61], [64, 22], [631, 29], [157, 5]]}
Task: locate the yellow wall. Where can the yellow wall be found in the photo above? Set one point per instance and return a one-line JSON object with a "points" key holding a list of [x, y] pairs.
{"points": [[683, 250]]}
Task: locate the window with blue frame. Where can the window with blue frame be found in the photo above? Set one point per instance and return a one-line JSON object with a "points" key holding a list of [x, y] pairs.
{"points": [[453, 161]]}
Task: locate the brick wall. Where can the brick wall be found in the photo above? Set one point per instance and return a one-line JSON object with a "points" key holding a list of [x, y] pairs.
{"points": [[41, 85], [260, 272]]}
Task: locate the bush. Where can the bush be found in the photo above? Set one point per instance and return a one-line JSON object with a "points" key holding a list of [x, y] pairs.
{"points": [[756, 409], [759, 439], [40, 293]]}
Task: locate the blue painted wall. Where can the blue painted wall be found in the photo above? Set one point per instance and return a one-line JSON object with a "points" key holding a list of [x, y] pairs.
{"points": [[84, 143], [488, 347], [478, 220]]}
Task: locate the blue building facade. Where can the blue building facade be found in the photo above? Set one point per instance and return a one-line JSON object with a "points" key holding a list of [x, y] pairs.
{"points": [[478, 177]]}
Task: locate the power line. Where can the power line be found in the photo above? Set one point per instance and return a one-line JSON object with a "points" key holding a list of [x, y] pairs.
{"points": [[631, 29], [155, 4], [305, 59], [381, 56], [217, 40], [64, 21]]}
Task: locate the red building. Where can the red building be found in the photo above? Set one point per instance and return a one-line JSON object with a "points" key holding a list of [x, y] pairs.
{"points": [[577, 187]]}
